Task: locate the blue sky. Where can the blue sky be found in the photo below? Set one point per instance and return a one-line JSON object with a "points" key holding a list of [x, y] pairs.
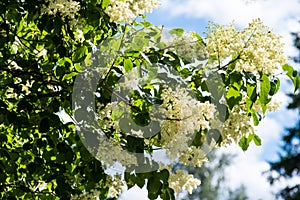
{"points": [[282, 17]]}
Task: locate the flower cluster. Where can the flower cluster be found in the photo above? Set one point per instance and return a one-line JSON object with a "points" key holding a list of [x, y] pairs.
{"points": [[127, 10], [105, 116], [66, 8], [255, 49], [115, 185], [189, 113], [194, 156], [185, 116], [237, 125], [181, 181], [110, 151], [189, 47]]}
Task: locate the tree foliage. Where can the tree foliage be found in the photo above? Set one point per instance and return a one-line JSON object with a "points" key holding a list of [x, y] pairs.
{"points": [[138, 92]]}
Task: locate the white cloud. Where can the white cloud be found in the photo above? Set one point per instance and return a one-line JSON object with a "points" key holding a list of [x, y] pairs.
{"points": [[224, 11], [247, 170]]}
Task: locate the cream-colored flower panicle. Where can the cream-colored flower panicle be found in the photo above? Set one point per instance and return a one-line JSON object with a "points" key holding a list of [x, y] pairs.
{"points": [[255, 49], [181, 181], [66, 8], [127, 10], [184, 116], [115, 184]]}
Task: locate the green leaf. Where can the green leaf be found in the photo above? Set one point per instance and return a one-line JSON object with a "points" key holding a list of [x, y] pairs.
{"points": [[176, 31], [80, 54], [249, 138], [233, 97], [78, 67], [296, 82], [293, 75], [256, 139], [232, 93], [105, 3], [236, 80], [289, 70], [140, 182], [254, 117], [265, 87], [128, 65], [69, 76], [249, 104], [44, 125], [275, 85], [164, 175], [153, 186], [243, 143], [251, 92]]}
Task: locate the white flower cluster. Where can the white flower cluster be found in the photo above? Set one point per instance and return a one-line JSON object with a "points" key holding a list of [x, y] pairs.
{"points": [[189, 47], [256, 48], [127, 10], [272, 106], [181, 181], [240, 123], [105, 116], [110, 151], [194, 156], [131, 79], [184, 116], [237, 125], [66, 8], [115, 185], [181, 108]]}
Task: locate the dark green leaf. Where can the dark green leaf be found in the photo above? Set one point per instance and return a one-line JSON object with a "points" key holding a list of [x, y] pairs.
{"points": [[79, 54], [153, 186], [44, 125], [256, 139], [243, 143]]}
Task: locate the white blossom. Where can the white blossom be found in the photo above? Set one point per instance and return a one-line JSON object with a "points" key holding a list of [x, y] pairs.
{"points": [[115, 185], [256, 48], [238, 124], [189, 47], [127, 10], [181, 181], [66, 8], [40, 53], [194, 156], [110, 151], [186, 113]]}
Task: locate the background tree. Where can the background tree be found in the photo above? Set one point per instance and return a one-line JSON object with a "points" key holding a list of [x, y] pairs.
{"points": [[288, 165]]}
